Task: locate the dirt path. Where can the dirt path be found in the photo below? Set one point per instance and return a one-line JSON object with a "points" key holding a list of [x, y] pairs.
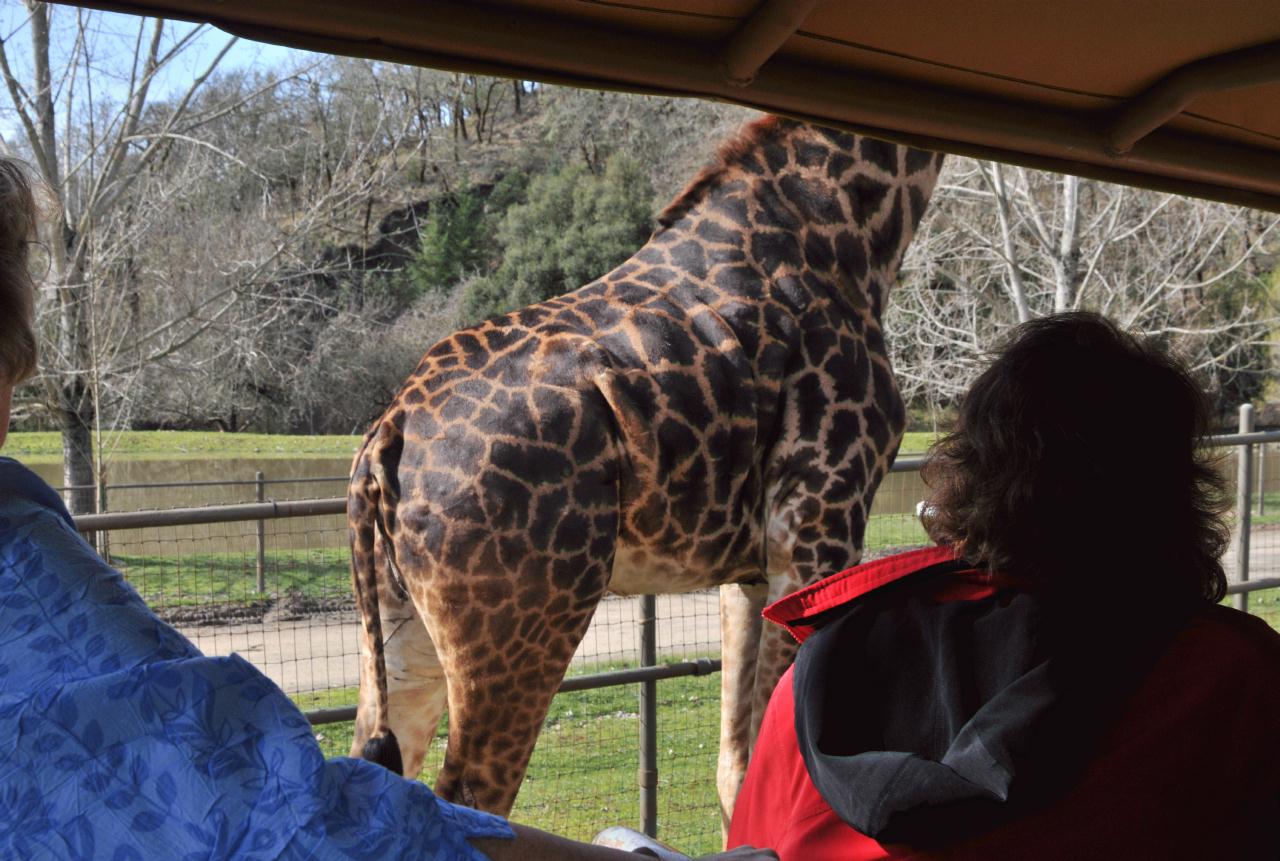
{"points": [[319, 653], [1264, 554]]}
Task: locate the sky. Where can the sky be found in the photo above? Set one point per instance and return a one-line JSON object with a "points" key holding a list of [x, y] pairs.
{"points": [[112, 38]]}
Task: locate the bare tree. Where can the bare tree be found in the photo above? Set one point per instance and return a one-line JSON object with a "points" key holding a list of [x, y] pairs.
{"points": [[1002, 245], [667, 135], [93, 149], [207, 234], [303, 252]]}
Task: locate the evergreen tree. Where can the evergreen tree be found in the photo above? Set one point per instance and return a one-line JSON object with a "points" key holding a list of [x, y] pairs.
{"points": [[573, 227], [454, 244]]}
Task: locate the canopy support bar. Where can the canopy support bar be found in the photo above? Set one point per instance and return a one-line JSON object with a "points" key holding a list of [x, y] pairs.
{"points": [[760, 37], [481, 39], [1169, 96]]}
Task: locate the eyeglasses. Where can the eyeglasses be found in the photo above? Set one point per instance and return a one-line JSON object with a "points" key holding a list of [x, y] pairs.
{"points": [[39, 260]]}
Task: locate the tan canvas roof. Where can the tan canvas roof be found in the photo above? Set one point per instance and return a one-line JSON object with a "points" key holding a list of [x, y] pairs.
{"points": [[1181, 95]]}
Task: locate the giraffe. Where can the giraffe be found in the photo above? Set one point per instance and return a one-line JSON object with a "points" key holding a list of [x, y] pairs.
{"points": [[716, 411]]}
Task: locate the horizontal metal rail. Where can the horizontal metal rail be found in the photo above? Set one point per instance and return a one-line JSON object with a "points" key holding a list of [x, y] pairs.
{"points": [[913, 462], [1253, 586], [209, 514], [337, 505], [907, 463], [698, 667], [1253, 438], [230, 482]]}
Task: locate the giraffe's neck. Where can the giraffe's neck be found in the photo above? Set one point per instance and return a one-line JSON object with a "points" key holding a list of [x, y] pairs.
{"points": [[811, 214]]}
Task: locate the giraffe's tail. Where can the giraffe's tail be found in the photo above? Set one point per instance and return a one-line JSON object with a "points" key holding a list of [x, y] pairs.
{"points": [[365, 500]]}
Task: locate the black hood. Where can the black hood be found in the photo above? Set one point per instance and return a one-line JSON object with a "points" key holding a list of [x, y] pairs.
{"points": [[923, 721]]}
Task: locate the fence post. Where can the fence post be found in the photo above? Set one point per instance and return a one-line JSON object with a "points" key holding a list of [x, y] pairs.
{"points": [[1244, 496], [102, 540], [648, 773], [262, 535], [1262, 479]]}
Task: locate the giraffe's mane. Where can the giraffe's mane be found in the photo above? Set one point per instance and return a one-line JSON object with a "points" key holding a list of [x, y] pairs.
{"points": [[748, 138]]}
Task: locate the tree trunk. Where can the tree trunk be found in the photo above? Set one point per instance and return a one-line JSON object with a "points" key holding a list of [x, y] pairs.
{"points": [[460, 119], [1016, 288], [77, 447], [75, 402], [459, 109], [1067, 266]]}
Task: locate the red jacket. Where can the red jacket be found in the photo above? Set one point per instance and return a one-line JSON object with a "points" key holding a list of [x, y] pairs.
{"points": [[1185, 766]]}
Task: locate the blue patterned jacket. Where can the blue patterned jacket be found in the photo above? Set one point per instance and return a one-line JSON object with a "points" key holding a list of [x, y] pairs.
{"points": [[120, 741]]}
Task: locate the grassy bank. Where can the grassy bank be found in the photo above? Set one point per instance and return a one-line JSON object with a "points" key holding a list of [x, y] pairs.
{"points": [[917, 442], [46, 446], [583, 773]]}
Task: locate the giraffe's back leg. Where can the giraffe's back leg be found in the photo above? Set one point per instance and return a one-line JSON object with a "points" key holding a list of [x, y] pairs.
{"points": [[504, 659], [416, 690]]}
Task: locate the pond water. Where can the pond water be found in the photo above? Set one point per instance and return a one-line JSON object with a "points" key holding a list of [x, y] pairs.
{"points": [[893, 521], [300, 478], [286, 479], [283, 477]]}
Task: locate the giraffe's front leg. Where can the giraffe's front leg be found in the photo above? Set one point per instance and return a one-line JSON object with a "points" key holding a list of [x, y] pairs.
{"points": [[740, 629], [777, 649], [754, 657]]}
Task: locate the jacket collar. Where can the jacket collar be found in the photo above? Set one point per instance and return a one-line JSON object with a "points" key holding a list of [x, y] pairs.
{"points": [[798, 612]]}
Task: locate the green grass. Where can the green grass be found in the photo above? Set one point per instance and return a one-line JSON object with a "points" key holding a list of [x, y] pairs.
{"points": [[46, 446], [171, 581], [1265, 604], [917, 442], [893, 530], [583, 773], [1271, 505]]}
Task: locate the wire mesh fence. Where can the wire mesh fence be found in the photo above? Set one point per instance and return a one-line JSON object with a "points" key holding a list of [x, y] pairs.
{"points": [[893, 525], [1253, 469], [1264, 535], [278, 592], [204, 579], [286, 606]]}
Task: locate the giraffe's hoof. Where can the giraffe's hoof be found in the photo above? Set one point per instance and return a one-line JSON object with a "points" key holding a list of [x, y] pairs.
{"points": [[385, 751]]}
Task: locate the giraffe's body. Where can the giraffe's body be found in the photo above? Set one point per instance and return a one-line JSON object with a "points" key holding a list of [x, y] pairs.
{"points": [[717, 411]]}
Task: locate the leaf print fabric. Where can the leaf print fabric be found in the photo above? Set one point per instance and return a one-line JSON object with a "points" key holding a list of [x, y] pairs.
{"points": [[120, 741]]}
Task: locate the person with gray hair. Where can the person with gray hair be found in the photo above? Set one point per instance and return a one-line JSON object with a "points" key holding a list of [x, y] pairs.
{"points": [[18, 214]]}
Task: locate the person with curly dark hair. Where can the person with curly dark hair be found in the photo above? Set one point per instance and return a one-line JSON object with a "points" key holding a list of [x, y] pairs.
{"points": [[1056, 679], [1027, 483]]}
